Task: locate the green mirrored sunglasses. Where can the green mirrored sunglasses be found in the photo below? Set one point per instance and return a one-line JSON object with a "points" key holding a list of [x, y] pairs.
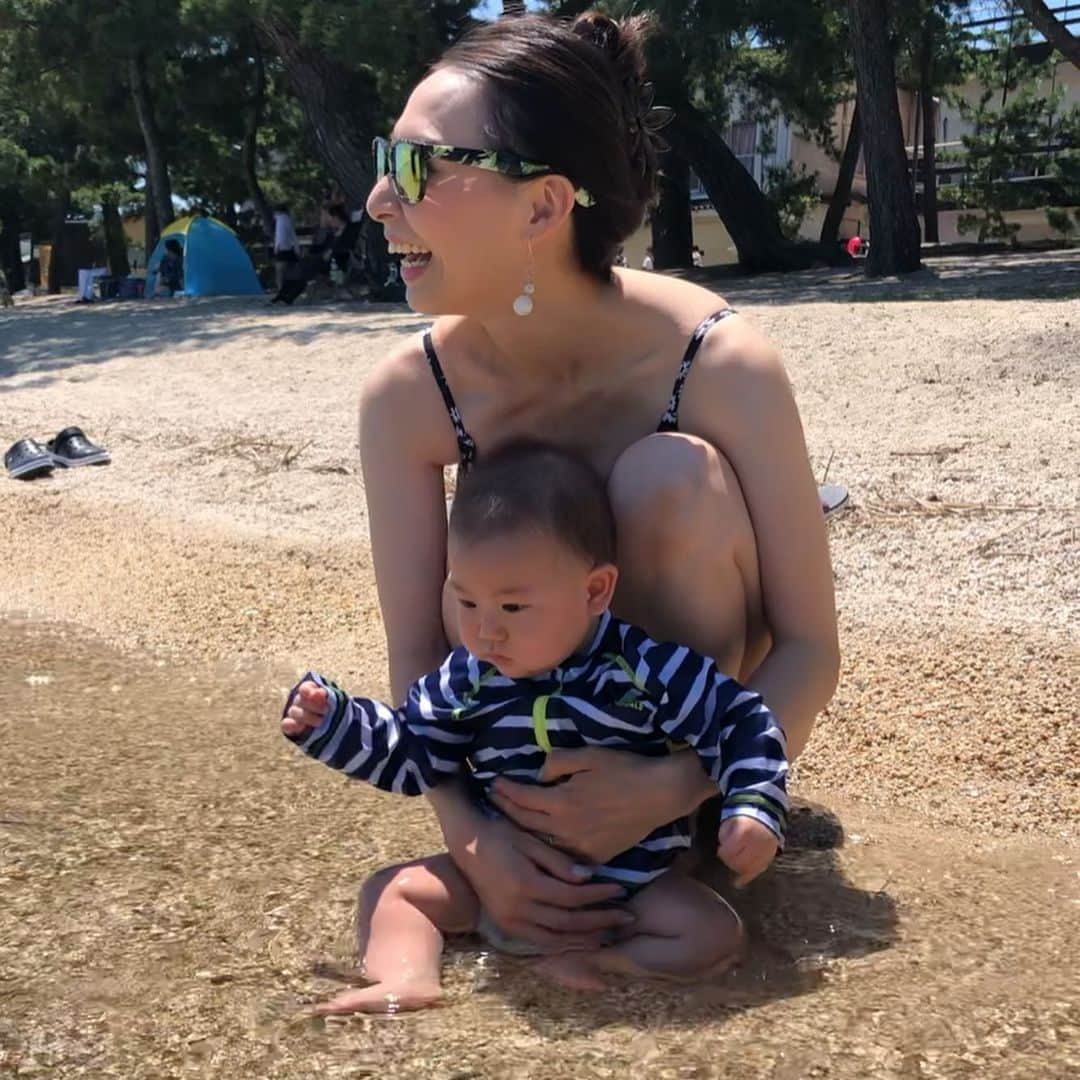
{"points": [[406, 163]]}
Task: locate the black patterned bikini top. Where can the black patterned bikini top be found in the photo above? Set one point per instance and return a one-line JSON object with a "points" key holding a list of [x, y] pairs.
{"points": [[668, 422]]}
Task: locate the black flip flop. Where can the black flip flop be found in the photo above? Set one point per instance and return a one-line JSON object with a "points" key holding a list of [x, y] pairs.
{"points": [[26, 459], [71, 447]]}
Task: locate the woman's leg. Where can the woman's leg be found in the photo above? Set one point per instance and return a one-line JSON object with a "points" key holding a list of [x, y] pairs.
{"points": [[688, 565], [404, 912], [683, 931]]}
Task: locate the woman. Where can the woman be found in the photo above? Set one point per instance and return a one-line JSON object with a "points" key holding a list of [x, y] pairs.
{"points": [[517, 168], [333, 249]]}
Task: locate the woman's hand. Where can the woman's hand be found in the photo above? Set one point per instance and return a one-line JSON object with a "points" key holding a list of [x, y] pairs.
{"points": [[608, 801], [533, 891], [530, 889]]}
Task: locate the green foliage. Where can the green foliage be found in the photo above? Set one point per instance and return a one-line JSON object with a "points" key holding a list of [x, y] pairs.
{"points": [[756, 58], [1066, 222], [1012, 121], [794, 193], [76, 136], [1065, 170]]}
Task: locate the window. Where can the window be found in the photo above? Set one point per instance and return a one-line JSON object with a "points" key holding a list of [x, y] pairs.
{"points": [[742, 138]]}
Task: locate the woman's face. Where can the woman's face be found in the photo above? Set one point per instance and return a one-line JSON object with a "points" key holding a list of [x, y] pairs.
{"points": [[472, 222]]}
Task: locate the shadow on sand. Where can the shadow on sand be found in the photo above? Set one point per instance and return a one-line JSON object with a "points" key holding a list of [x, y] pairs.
{"points": [[800, 916], [48, 337], [1026, 275]]}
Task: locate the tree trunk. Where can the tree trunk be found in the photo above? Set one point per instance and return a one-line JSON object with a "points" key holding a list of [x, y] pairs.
{"points": [[672, 228], [749, 217], [1057, 33], [157, 168], [894, 227], [841, 196], [929, 123], [10, 253], [115, 241], [253, 122], [151, 225], [339, 105], [513, 7], [58, 257]]}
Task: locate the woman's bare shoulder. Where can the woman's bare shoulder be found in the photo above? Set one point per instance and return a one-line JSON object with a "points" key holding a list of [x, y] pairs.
{"points": [[401, 406], [738, 385], [644, 286]]}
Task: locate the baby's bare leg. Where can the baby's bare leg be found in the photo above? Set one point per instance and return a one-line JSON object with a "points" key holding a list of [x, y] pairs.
{"points": [[404, 912], [683, 930]]}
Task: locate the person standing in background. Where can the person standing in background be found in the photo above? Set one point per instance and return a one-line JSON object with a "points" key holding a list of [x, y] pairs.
{"points": [[285, 244]]}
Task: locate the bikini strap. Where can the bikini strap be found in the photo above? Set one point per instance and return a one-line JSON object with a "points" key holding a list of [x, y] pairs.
{"points": [[670, 420], [466, 445]]}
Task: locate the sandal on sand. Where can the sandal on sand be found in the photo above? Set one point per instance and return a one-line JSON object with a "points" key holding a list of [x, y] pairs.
{"points": [[71, 447], [26, 459], [834, 497]]}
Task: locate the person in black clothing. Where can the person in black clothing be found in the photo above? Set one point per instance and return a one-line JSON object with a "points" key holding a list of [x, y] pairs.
{"points": [[334, 247], [170, 273]]}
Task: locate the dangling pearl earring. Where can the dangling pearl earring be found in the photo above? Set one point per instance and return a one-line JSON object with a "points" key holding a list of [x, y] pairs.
{"points": [[523, 304]]}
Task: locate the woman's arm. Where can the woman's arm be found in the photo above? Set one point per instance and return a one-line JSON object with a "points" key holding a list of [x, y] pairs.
{"points": [[739, 397], [403, 487]]}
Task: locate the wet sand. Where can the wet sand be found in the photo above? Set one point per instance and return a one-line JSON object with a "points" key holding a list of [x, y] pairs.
{"points": [[175, 879]]}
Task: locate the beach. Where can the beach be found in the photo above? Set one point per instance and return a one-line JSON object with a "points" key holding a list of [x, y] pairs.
{"points": [[154, 608]]}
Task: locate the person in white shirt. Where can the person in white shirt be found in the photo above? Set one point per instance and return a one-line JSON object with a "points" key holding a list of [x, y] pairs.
{"points": [[285, 243], [87, 276]]}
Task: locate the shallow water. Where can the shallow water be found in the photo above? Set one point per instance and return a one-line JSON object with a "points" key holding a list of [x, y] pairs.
{"points": [[177, 884]]}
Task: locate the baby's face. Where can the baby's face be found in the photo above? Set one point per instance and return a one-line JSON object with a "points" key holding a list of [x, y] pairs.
{"points": [[525, 602]]}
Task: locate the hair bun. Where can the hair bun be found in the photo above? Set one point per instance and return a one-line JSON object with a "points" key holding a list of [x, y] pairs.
{"points": [[623, 42]]}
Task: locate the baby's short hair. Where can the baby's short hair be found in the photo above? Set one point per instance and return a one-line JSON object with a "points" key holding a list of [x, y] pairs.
{"points": [[531, 485]]}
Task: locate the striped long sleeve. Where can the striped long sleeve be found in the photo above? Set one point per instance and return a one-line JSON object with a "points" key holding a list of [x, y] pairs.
{"points": [[406, 750], [739, 741]]}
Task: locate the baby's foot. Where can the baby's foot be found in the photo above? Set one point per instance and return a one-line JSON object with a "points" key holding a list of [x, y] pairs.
{"points": [[572, 970], [381, 998]]}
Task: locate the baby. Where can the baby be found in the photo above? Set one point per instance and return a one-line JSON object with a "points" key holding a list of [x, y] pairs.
{"points": [[545, 664]]}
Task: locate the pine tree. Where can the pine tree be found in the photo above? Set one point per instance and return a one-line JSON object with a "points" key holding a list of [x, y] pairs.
{"points": [[894, 228]]}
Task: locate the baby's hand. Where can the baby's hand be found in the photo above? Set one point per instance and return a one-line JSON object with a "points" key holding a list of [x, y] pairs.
{"points": [[308, 709], [746, 847]]}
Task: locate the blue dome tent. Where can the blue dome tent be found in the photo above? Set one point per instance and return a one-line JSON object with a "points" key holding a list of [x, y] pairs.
{"points": [[215, 262]]}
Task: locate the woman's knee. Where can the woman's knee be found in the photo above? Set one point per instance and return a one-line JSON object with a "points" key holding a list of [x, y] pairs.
{"points": [[670, 486]]}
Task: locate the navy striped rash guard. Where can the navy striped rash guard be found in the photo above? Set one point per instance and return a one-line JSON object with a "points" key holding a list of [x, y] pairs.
{"points": [[624, 691]]}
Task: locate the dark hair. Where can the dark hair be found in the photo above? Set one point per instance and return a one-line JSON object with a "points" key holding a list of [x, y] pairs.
{"points": [[282, 208], [530, 485], [174, 246], [572, 97], [337, 210]]}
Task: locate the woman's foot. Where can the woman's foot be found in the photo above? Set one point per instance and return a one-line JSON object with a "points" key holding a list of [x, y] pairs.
{"points": [[381, 998]]}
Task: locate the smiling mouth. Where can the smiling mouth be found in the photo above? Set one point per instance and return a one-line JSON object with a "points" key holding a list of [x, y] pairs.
{"points": [[411, 254]]}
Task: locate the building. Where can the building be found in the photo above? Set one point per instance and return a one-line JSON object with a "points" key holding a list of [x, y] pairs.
{"points": [[760, 144]]}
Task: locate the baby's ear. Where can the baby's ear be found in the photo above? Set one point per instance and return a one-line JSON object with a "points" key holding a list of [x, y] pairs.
{"points": [[600, 585]]}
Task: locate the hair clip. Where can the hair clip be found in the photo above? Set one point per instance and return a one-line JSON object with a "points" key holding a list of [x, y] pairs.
{"points": [[651, 116]]}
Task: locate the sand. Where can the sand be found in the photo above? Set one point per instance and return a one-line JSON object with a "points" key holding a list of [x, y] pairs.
{"points": [[230, 529], [232, 520]]}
